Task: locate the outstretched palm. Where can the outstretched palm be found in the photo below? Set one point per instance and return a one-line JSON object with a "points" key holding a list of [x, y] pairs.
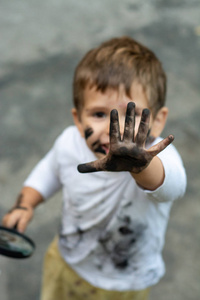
{"points": [[128, 153]]}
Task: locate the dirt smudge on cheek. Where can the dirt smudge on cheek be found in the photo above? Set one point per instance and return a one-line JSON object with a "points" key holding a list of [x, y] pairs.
{"points": [[88, 132]]}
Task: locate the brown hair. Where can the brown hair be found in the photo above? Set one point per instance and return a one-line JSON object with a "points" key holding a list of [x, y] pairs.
{"points": [[121, 61]]}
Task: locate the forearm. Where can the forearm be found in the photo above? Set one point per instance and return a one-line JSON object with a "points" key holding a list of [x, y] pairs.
{"points": [[151, 177], [28, 197]]}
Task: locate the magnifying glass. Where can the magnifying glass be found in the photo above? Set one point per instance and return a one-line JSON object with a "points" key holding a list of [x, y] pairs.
{"points": [[15, 244]]}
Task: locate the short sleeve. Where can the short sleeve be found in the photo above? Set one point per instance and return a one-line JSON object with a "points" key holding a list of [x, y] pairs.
{"points": [[44, 177], [175, 182]]}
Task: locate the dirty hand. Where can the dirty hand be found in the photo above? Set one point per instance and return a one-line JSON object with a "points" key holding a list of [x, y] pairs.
{"points": [[128, 153]]}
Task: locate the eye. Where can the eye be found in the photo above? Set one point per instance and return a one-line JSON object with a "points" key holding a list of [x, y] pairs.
{"points": [[99, 114]]}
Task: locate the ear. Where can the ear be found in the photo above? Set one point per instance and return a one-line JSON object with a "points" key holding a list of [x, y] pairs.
{"points": [[77, 121], [159, 121]]}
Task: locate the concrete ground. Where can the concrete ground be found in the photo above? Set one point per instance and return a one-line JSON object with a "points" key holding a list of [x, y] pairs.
{"points": [[41, 43]]}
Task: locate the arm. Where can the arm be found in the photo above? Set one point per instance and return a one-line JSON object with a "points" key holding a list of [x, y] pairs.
{"points": [[152, 176], [41, 184], [22, 212], [129, 153]]}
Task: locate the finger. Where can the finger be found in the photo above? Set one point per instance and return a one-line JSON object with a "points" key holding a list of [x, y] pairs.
{"points": [[143, 128], [87, 168], [10, 220], [114, 127], [129, 123], [154, 150], [94, 166], [22, 224]]}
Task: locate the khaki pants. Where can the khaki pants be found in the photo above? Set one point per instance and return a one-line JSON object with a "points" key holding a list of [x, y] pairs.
{"points": [[60, 282]]}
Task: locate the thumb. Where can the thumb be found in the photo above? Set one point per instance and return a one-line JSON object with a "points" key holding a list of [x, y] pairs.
{"points": [[87, 168], [93, 166]]}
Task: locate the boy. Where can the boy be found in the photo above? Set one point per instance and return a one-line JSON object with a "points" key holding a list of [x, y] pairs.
{"points": [[113, 222]]}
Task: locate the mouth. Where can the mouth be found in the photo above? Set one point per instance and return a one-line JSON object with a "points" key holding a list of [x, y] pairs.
{"points": [[105, 148], [102, 148]]}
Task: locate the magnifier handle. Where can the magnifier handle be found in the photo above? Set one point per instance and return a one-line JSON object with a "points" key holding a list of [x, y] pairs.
{"points": [[15, 227]]}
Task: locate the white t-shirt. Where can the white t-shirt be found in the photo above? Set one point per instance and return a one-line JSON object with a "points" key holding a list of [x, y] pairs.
{"points": [[112, 231]]}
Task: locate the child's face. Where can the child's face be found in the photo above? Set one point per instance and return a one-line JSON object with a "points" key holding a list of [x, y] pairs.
{"points": [[94, 121]]}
